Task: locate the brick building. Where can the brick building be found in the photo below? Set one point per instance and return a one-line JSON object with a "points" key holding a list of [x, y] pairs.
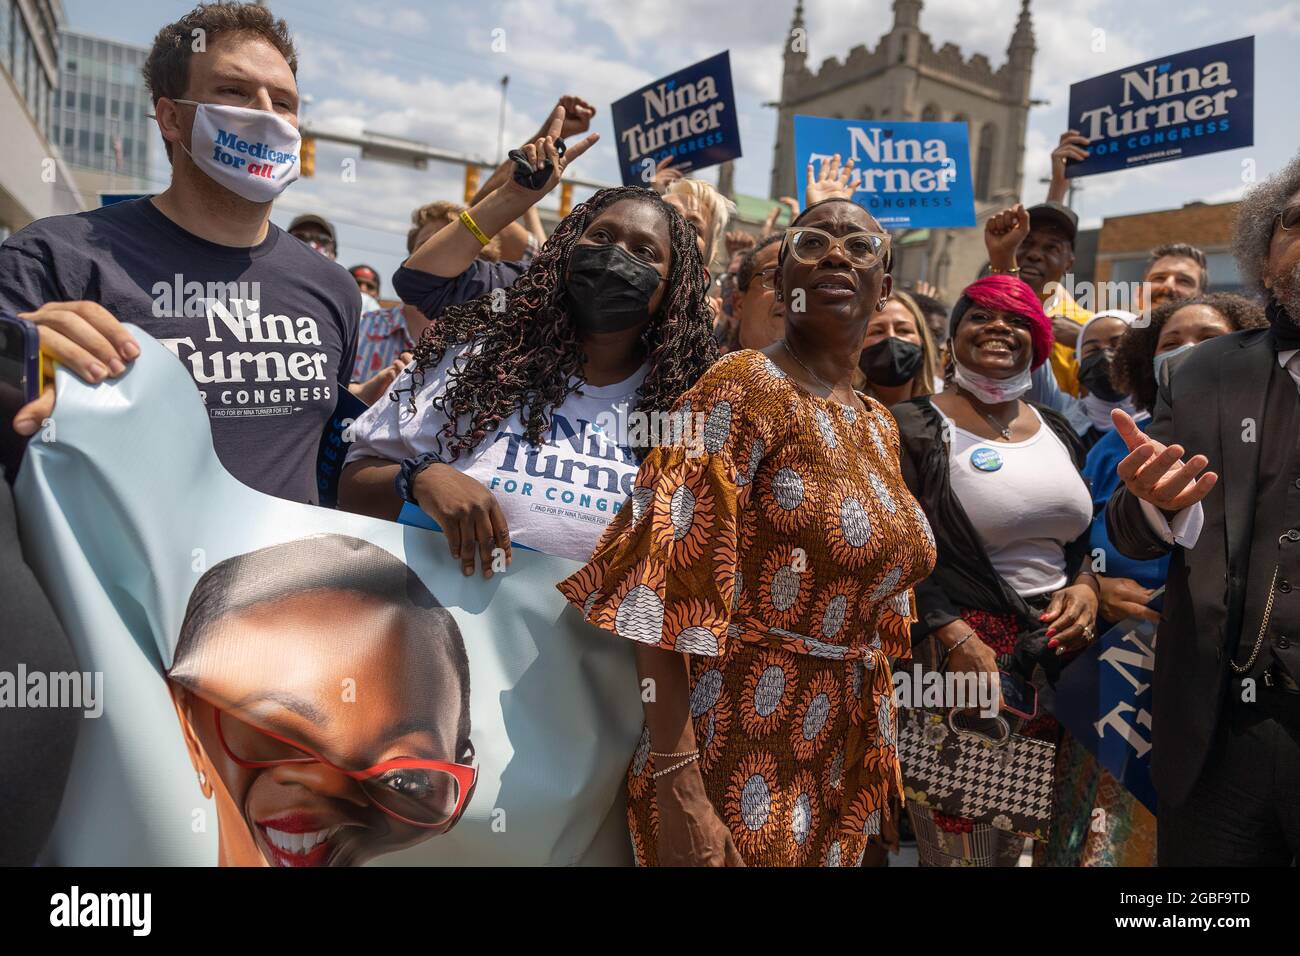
{"points": [[1124, 242]]}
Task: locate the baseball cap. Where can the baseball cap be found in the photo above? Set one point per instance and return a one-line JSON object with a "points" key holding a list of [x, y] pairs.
{"points": [[1055, 214], [311, 219]]}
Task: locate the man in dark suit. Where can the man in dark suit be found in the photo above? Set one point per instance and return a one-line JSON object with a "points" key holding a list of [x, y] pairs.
{"points": [[1225, 754]]}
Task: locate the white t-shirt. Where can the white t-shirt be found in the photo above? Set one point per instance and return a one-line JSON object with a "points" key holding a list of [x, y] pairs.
{"points": [[1026, 501], [557, 498]]}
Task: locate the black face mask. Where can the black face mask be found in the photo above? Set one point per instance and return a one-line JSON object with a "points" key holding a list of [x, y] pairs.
{"points": [[609, 290], [1094, 375], [891, 362]]}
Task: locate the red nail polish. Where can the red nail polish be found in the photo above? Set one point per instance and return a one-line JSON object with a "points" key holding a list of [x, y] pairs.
{"points": [[1051, 631], [1042, 617], [1052, 643]]}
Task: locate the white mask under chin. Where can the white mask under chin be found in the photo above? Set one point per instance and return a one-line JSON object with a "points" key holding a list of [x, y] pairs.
{"points": [[992, 391], [253, 153]]}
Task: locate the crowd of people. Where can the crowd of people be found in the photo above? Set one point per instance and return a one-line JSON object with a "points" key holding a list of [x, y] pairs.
{"points": [[855, 474]]}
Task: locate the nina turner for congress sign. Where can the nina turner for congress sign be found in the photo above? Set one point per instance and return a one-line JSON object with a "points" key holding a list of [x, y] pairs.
{"points": [[912, 174], [689, 115], [1189, 104]]}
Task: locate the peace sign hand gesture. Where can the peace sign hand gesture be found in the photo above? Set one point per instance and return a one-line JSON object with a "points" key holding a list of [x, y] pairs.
{"points": [[543, 150]]}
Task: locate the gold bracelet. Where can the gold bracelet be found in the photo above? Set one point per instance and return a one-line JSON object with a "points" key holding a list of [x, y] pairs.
{"points": [[1013, 271], [472, 226], [684, 753]]}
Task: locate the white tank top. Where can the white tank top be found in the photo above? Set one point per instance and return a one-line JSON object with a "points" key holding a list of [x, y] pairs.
{"points": [[1026, 501]]}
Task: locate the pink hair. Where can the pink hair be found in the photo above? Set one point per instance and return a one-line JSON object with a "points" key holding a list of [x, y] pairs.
{"points": [[1006, 293]]}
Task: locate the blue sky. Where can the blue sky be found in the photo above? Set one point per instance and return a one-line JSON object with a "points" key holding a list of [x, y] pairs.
{"points": [[428, 71]]}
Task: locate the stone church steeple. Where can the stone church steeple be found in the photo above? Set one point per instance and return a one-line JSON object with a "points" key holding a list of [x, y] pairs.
{"points": [[906, 76]]}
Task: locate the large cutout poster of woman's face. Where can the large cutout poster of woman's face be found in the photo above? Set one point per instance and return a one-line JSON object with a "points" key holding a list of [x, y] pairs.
{"points": [[288, 685], [323, 693]]}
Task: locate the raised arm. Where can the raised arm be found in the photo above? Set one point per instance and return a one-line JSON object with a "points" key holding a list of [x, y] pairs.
{"points": [[449, 252]]}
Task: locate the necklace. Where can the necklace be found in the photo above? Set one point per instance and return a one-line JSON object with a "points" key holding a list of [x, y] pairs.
{"points": [[1003, 430], [821, 381]]}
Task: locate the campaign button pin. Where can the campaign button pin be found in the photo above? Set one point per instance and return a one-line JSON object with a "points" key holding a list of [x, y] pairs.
{"points": [[986, 459]]}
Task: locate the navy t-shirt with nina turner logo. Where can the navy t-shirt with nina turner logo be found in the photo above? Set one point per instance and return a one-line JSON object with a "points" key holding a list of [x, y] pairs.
{"points": [[268, 333]]}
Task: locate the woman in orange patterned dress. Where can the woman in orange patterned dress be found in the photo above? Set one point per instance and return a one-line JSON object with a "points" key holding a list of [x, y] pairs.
{"points": [[763, 565]]}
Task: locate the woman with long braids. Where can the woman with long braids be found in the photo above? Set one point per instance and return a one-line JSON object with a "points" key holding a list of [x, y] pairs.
{"points": [[511, 422], [764, 569]]}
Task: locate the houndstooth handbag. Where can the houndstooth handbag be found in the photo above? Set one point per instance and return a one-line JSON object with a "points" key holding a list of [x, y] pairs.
{"points": [[1006, 785]]}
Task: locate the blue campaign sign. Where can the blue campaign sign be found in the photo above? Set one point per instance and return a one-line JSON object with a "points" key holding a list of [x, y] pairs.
{"points": [[689, 115], [1189, 104], [914, 175], [1104, 700]]}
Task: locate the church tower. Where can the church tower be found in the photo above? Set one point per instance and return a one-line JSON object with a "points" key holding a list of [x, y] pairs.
{"points": [[905, 77]]}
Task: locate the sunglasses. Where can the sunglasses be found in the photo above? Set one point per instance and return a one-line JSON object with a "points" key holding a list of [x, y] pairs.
{"points": [[1288, 217], [430, 794], [811, 245]]}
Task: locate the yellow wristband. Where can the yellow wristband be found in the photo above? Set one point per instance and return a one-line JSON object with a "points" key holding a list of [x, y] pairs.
{"points": [[472, 226]]}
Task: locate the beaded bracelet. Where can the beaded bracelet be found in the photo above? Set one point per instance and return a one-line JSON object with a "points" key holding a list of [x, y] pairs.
{"points": [[677, 766]]}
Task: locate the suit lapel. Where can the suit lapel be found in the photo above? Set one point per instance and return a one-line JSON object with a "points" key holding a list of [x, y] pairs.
{"points": [[1240, 404]]}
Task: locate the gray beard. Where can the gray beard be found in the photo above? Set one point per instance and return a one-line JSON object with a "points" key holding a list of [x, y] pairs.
{"points": [[1286, 290]]}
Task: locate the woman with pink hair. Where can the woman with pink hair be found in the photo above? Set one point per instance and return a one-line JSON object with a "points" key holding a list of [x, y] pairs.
{"points": [[1012, 595]]}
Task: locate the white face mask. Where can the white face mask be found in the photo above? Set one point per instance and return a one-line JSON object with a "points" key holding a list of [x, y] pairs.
{"points": [[253, 153], [992, 391]]}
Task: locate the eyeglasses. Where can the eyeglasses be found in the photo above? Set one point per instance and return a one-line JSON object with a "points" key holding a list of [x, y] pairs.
{"points": [[810, 245], [1288, 217], [766, 278], [430, 794]]}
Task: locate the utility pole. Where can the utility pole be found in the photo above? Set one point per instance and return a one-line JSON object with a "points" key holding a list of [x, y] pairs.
{"points": [[501, 124]]}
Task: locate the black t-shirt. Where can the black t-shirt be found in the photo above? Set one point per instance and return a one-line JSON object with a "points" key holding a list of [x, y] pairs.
{"points": [[268, 333]]}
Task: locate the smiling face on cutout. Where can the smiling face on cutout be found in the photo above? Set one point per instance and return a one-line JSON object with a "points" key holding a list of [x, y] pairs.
{"points": [[296, 710]]}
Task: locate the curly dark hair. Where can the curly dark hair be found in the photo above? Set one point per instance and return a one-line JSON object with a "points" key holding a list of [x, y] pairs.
{"points": [[1256, 216], [167, 68], [1132, 369], [532, 364]]}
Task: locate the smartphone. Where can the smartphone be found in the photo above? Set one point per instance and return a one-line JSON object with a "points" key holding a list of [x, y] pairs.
{"points": [[21, 381]]}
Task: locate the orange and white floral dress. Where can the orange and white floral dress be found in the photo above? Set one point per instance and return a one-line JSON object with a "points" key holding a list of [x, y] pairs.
{"points": [[774, 543]]}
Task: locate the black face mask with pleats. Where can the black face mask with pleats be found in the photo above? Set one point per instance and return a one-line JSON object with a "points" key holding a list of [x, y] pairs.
{"points": [[891, 362], [608, 288], [1094, 375]]}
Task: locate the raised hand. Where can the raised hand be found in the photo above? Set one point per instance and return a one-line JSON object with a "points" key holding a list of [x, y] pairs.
{"points": [[542, 150], [1156, 473], [577, 115], [1003, 234], [665, 175], [1073, 146], [831, 181], [738, 241]]}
